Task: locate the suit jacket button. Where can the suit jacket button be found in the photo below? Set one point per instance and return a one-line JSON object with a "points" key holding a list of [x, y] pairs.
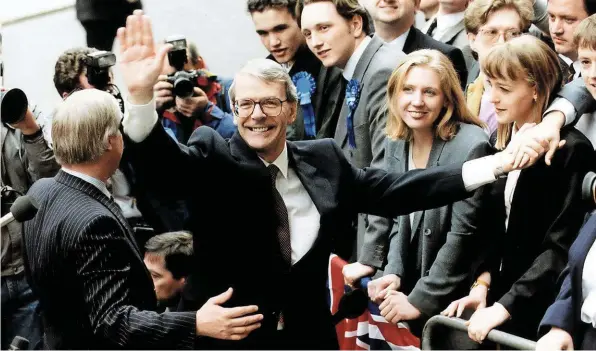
{"points": [[427, 231]]}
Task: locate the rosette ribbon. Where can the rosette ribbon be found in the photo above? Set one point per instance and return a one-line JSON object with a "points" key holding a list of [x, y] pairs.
{"points": [[306, 86], [352, 99]]}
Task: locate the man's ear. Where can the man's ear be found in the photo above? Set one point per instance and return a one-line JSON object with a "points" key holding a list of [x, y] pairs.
{"points": [[293, 112], [472, 40], [356, 25]]}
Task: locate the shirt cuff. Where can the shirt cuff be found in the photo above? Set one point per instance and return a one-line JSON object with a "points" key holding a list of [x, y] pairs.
{"points": [[562, 105], [139, 120], [478, 172]]}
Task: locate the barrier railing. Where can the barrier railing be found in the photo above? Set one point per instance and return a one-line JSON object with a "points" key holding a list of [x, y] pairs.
{"points": [[508, 340]]}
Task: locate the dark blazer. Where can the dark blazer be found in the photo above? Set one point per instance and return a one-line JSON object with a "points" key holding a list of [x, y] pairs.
{"points": [[546, 215], [84, 265], [105, 10], [448, 234], [324, 100], [565, 312], [417, 40], [245, 249], [579, 96]]}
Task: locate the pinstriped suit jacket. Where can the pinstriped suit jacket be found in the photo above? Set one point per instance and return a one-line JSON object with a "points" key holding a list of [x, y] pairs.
{"points": [[83, 263]]}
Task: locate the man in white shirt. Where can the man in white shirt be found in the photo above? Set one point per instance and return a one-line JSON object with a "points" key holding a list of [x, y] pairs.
{"points": [[292, 201], [447, 25]]}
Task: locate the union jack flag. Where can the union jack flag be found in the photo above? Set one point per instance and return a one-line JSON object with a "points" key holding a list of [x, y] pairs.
{"points": [[370, 331]]}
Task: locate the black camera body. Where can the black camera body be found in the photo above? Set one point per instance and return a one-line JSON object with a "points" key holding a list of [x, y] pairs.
{"points": [[98, 68], [589, 189], [183, 81]]}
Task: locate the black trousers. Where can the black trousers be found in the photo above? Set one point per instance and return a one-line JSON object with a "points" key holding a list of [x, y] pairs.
{"points": [[101, 34]]}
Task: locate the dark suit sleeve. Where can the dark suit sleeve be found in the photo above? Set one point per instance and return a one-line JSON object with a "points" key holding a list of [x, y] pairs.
{"points": [[101, 256], [160, 160], [572, 163], [390, 194], [579, 96], [41, 162], [451, 266], [561, 313]]}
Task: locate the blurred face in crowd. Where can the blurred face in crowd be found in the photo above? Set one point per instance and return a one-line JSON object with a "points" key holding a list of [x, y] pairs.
{"points": [[563, 17], [332, 38], [421, 98], [501, 25], [452, 6], [264, 130], [587, 59], [166, 286], [514, 100], [391, 11], [279, 33]]}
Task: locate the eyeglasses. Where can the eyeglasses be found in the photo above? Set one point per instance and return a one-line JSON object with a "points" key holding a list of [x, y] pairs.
{"points": [[492, 35], [270, 106]]}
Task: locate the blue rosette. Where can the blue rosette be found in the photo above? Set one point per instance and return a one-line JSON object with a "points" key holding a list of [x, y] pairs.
{"points": [[352, 99], [306, 86]]}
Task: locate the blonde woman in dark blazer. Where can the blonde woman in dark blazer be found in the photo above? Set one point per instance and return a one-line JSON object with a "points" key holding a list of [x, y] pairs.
{"points": [[430, 252], [538, 211]]}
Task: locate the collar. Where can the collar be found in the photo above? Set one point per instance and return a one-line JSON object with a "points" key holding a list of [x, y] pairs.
{"points": [[449, 20], [281, 162], [399, 42], [93, 181], [287, 66], [348, 71]]}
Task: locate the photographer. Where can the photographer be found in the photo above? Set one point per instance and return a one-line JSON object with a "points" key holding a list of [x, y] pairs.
{"points": [[26, 157], [202, 101]]}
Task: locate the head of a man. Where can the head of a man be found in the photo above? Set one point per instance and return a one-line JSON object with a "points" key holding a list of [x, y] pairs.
{"points": [[168, 257], [395, 13], [584, 39], [70, 71], [85, 132], [276, 24], [264, 101], [333, 29], [492, 22], [563, 18]]}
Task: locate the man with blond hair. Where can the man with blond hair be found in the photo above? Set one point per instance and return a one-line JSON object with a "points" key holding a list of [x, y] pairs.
{"points": [[81, 257]]}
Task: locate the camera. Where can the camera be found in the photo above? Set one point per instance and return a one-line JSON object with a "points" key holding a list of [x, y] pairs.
{"points": [[98, 68], [183, 81], [14, 105]]}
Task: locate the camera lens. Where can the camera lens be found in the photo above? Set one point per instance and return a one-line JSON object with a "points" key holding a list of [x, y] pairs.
{"points": [[183, 87], [14, 105]]}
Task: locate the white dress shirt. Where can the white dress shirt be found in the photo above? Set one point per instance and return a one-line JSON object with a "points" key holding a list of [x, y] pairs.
{"points": [[89, 179], [348, 71], [302, 213], [588, 311], [399, 42], [445, 22]]}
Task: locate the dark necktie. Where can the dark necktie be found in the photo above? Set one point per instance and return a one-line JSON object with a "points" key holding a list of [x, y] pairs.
{"points": [[432, 27], [570, 73], [283, 223]]}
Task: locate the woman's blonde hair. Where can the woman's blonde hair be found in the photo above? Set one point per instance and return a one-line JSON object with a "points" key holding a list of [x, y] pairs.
{"points": [[455, 111], [526, 58]]}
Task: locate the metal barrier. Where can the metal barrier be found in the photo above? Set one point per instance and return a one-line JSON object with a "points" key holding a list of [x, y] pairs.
{"points": [[496, 336]]}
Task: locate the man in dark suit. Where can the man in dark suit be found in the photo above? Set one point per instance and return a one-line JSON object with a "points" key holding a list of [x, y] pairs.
{"points": [[292, 201], [101, 19], [80, 255], [394, 24], [276, 24]]}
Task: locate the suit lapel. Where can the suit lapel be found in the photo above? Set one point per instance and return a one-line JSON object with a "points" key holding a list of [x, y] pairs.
{"points": [[341, 134], [81, 185], [433, 161], [412, 41], [451, 32]]}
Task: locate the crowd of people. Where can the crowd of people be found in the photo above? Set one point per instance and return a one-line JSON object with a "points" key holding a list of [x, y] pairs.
{"points": [[443, 147]]}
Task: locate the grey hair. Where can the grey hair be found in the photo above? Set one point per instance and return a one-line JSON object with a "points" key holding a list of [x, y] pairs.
{"points": [[82, 125], [270, 72]]}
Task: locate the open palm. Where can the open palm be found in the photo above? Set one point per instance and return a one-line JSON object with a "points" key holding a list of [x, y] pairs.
{"points": [[139, 63]]}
